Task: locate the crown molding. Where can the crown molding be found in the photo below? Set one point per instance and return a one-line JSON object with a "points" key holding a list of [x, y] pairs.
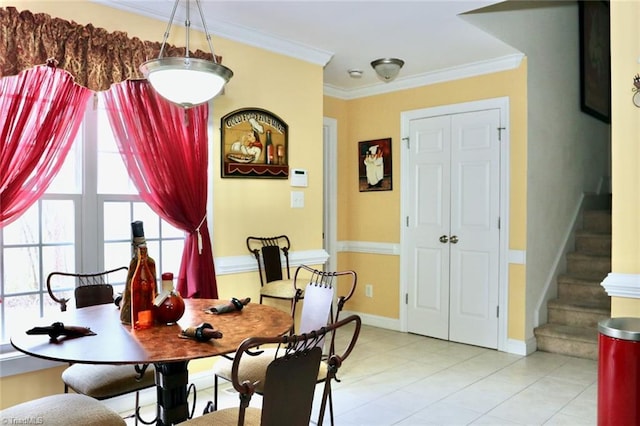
{"points": [[503, 63], [317, 56], [229, 31]]}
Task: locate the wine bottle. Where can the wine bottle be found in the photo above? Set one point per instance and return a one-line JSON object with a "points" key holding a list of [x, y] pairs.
{"points": [[137, 239], [143, 291], [269, 149]]}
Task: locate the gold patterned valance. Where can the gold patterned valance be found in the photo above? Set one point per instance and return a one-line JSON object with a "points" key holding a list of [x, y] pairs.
{"points": [[95, 57]]}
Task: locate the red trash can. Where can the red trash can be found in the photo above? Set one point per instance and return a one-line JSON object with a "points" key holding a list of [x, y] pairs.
{"points": [[619, 372]]}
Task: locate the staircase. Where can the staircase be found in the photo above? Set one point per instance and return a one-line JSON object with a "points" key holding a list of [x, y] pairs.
{"points": [[573, 317]]}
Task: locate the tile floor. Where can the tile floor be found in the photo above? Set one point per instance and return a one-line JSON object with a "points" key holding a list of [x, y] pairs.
{"points": [[395, 378]]}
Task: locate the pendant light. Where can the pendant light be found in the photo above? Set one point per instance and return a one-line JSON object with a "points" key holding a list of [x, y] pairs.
{"points": [[184, 80]]}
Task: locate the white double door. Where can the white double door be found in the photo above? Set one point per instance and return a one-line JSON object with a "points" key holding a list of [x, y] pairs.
{"points": [[452, 231]]}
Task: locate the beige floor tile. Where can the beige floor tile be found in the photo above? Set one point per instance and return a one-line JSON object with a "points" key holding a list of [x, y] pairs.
{"points": [[395, 378]]}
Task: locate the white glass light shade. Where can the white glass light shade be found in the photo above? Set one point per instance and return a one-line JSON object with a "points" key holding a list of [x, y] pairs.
{"points": [[186, 81], [387, 68]]}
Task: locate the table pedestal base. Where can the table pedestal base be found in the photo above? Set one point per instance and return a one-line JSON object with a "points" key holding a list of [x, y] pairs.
{"points": [[171, 386]]}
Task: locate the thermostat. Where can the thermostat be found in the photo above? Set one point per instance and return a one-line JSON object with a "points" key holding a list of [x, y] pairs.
{"points": [[299, 177]]}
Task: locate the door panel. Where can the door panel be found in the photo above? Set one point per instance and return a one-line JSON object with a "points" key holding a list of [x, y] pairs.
{"points": [[454, 194], [475, 183], [428, 311]]}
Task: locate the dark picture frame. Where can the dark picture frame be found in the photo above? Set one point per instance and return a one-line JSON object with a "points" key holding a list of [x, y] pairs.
{"points": [[595, 59], [254, 144], [375, 165]]}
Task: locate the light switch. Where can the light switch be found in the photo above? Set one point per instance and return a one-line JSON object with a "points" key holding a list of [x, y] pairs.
{"points": [[297, 199]]}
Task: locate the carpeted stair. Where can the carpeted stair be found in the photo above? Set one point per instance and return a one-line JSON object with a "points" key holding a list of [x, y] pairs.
{"points": [[573, 317]]}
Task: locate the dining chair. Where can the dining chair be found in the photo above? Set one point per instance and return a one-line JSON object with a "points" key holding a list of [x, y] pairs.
{"points": [[275, 279], [62, 410], [96, 380], [320, 307], [289, 381]]}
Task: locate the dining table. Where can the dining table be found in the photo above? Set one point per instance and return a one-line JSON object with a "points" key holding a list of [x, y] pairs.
{"points": [[164, 346]]}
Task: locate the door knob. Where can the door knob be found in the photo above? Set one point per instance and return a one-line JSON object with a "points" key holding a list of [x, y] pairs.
{"points": [[454, 239], [444, 239]]}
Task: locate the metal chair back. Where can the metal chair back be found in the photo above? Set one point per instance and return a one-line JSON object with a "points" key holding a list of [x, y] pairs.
{"points": [[90, 288]]}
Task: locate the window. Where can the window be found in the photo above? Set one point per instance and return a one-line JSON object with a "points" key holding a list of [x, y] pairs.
{"points": [[82, 223]]}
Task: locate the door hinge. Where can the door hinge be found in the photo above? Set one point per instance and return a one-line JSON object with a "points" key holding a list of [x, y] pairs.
{"points": [[498, 222], [500, 129], [406, 298], [408, 142], [497, 311]]}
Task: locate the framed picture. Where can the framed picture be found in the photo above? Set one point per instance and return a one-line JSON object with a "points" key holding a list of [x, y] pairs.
{"points": [[595, 59], [254, 144], [375, 165]]}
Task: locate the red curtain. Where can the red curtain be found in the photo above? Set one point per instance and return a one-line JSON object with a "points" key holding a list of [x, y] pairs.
{"points": [[41, 110], [165, 150]]}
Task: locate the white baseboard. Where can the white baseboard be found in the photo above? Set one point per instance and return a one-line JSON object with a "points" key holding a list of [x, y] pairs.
{"points": [[375, 320], [519, 347], [516, 347]]}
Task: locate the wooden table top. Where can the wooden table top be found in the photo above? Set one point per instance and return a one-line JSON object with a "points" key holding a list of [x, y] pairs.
{"points": [[115, 343]]}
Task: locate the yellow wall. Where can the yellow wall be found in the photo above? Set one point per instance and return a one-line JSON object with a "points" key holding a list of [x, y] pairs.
{"points": [[24, 387], [376, 217], [291, 89], [625, 131]]}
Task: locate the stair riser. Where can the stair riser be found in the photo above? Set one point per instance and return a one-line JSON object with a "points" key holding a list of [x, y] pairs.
{"points": [[597, 221], [568, 347], [596, 268], [582, 292], [575, 318], [594, 245], [572, 328]]}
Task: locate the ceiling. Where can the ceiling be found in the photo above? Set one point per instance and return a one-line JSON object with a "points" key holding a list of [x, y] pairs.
{"points": [[432, 36]]}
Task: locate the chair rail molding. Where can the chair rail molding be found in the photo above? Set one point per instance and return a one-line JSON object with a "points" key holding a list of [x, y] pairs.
{"points": [[247, 263], [369, 247], [622, 285]]}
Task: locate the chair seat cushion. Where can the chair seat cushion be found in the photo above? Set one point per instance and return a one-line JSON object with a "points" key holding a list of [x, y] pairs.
{"points": [[281, 289], [106, 381], [254, 368], [64, 410], [227, 416]]}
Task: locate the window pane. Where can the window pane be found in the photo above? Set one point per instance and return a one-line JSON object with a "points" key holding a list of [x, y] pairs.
{"points": [[171, 256], [143, 212], [24, 230], [21, 270], [169, 231], [153, 249], [59, 258], [21, 310], [112, 173], [117, 221], [69, 178], [117, 255], [58, 221]]}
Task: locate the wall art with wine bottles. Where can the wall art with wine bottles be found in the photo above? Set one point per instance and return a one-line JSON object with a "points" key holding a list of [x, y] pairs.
{"points": [[254, 144]]}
